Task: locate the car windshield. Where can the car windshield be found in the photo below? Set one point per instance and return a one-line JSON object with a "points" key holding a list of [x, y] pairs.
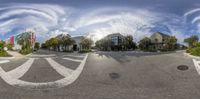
{"points": [[99, 49]]}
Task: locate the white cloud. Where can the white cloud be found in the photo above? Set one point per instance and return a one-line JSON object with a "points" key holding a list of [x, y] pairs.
{"points": [[3, 24], [51, 20], [196, 19], [44, 18], [117, 20]]}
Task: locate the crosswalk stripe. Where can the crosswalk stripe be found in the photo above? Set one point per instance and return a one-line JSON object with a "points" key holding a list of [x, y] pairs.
{"points": [[9, 77], [59, 68], [75, 60], [21, 70]]}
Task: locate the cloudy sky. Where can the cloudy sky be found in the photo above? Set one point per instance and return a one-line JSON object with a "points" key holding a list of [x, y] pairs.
{"points": [[97, 18]]}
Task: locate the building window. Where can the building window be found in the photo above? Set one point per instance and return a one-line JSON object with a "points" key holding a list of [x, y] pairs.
{"points": [[114, 40]]}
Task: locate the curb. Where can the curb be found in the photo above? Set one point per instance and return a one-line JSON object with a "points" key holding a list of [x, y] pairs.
{"points": [[189, 55], [197, 66], [28, 54], [4, 61], [7, 57]]}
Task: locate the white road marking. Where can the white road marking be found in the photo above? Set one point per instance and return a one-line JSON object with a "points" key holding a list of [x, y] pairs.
{"points": [[13, 80], [59, 68], [197, 65], [21, 70], [74, 56], [4, 61], [36, 55], [75, 60]]}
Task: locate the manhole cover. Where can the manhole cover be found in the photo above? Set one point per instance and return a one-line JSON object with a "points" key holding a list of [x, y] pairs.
{"points": [[114, 75], [182, 67]]}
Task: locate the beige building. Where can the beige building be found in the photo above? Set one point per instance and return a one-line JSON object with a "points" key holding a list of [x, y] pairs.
{"points": [[157, 40]]}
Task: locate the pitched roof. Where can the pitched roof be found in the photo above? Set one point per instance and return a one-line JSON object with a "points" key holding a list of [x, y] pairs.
{"points": [[162, 34]]}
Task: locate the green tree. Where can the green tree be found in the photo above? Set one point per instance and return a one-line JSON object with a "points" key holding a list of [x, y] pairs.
{"points": [[3, 53], [144, 44], [104, 44], [2, 45], [44, 46], [53, 42], [170, 43], [86, 43], [67, 41], [24, 41], [48, 44], [10, 46], [128, 43], [191, 40], [37, 45]]}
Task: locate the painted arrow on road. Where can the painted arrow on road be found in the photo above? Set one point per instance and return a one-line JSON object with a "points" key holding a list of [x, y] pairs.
{"points": [[12, 77]]}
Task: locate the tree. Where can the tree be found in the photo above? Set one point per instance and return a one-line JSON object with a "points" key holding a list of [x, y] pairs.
{"points": [[86, 43], [128, 43], [67, 41], [9, 46], [191, 40], [48, 44], [170, 43], [2, 45], [144, 44], [3, 53], [53, 42], [37, 45], [44, 46], [24, 41]]}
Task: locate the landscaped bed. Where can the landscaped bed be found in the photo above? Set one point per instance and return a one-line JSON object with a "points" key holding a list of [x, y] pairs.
{"points": [[4, 54]]}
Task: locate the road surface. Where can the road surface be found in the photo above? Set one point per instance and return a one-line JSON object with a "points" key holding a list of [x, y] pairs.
{"points": [[100, 75]]}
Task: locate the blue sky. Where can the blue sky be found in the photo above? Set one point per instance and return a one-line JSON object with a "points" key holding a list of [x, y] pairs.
{"points": [[97, 18]]}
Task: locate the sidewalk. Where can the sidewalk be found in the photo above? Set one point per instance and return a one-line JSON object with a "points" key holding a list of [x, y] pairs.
{"points": [[16, 55]]}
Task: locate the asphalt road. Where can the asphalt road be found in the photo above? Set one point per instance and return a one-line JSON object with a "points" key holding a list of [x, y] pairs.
{"points": [[105, 75]]}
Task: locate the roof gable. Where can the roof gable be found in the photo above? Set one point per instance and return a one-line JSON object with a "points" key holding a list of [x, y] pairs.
{"points": [[162, 34]]}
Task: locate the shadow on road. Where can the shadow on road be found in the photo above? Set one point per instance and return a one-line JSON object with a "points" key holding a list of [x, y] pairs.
{"points": [[122, 57]]}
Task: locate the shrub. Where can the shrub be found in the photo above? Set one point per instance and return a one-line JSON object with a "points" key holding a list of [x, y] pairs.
{"points": [[85, 51], [25, 51], [4, 54], [187, 51], [197, 44], [195, 51], [9, 46]]}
